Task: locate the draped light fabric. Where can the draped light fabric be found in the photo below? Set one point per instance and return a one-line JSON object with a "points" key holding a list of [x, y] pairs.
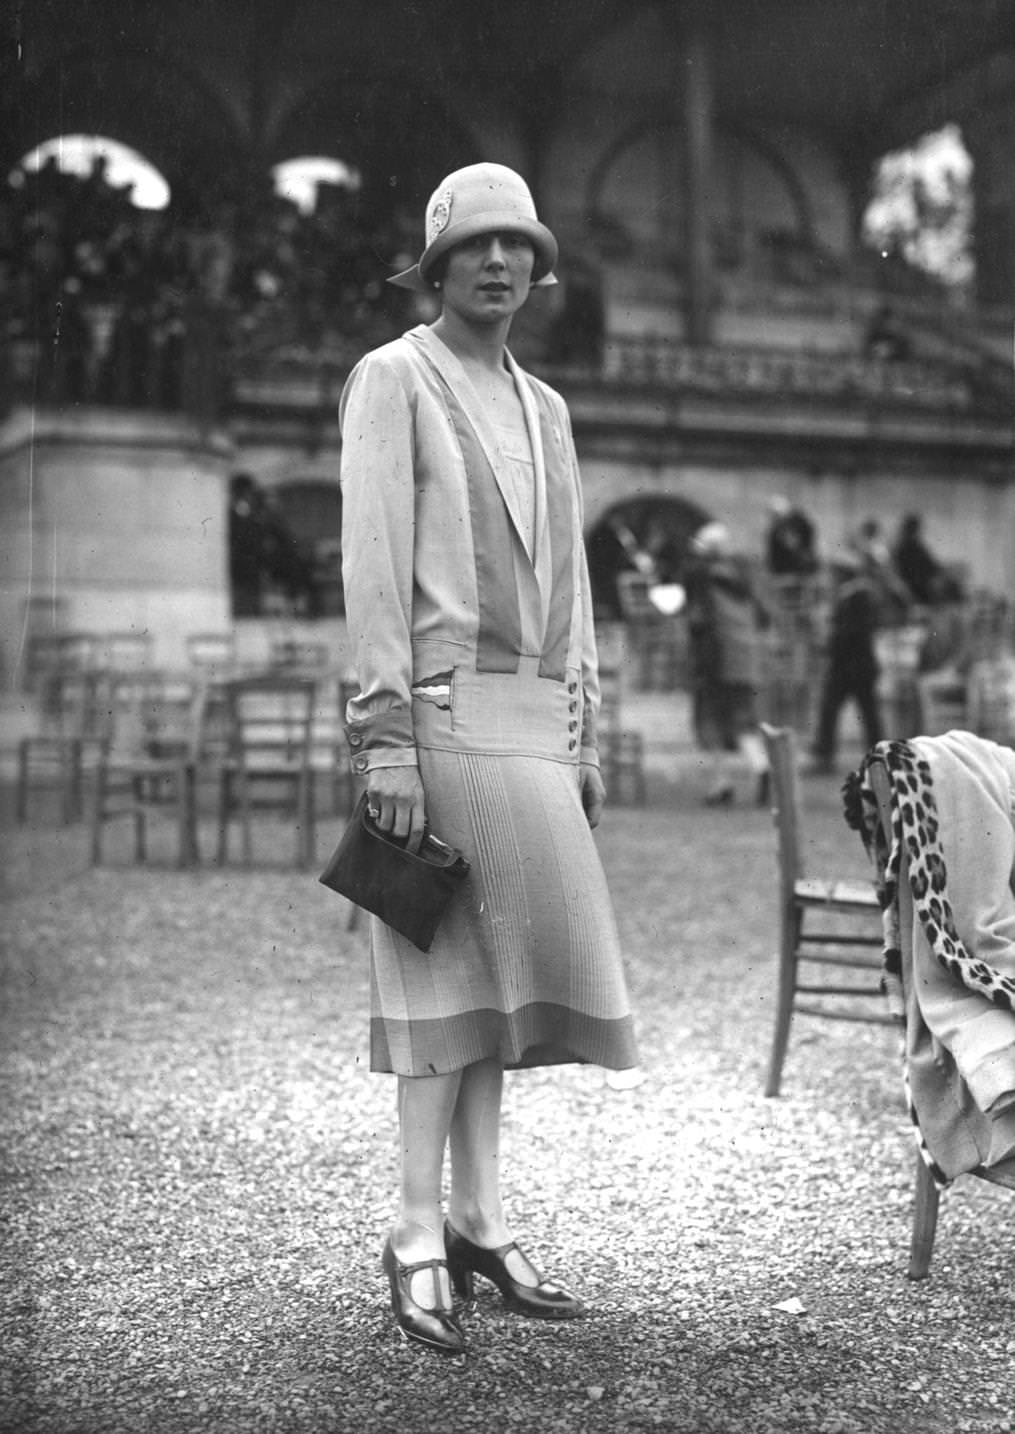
{"points": [[950, 941]]}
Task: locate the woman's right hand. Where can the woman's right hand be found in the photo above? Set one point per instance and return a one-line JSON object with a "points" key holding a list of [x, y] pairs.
{"points": [[396, 804]]}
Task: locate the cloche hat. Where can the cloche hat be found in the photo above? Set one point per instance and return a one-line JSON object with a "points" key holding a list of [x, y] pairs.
{"points": [[475, 200]]}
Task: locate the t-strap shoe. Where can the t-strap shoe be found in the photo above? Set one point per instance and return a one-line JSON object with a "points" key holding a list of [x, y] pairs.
{"points": [[543, 1301], [438, 1329]]}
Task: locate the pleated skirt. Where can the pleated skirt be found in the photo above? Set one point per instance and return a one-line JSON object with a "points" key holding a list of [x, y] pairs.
{"points": [[526, 968]]}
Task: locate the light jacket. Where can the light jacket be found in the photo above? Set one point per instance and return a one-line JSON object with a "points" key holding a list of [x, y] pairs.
{"points": [[436, 570]]}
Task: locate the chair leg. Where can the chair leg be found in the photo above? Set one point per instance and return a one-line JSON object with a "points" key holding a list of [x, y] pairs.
{"points": [[24, 760], [225, 800], [140, 821], [244, 800], [98, 813], [189, 779], [73, 797], [926, 1199], [784, 999], [307, 842], [67, 788], [184, 822]]}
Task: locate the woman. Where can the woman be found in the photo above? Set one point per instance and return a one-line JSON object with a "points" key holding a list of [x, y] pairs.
{"points": [[724, 620], [469, 609]]}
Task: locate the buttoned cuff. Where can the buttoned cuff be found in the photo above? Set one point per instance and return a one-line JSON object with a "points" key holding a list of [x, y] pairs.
{"points": [[386, 739]]}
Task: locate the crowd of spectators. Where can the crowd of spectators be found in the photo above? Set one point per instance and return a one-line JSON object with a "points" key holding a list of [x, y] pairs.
{"points": [[109, 302]]}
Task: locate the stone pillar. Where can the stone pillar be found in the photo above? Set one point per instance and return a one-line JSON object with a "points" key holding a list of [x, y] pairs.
{"points": [[697, 127], [992, 146], [114, 521]]}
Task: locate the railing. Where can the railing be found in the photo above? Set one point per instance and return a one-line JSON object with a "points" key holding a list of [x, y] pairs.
{"points": [[656, 362], [105, 357], [191, 372]]}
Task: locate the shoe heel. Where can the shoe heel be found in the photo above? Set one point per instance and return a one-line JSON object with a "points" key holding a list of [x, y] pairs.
{"points": [[461, 1281]]}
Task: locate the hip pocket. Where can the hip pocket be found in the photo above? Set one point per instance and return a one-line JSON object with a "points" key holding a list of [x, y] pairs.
{"points": [[433, 700]]}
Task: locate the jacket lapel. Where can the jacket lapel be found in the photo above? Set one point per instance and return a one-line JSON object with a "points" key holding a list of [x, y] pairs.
{"points": [[540, 556], [457, 380]]}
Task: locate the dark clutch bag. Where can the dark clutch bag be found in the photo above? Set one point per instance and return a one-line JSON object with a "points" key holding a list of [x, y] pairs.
{"points": [[408, 891]]}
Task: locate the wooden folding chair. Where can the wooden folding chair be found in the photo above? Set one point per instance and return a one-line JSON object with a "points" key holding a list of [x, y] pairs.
{"points": [[57, 757], [621, 749], [990, 702], [149, 760], [926, 1196], [269, 760], [849, 933], [329, 755]]}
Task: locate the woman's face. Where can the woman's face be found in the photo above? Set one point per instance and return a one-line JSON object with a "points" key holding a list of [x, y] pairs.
{"points": [[487, 278]]}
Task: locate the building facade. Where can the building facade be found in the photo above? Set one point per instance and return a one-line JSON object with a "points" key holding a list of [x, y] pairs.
{"points": [[718, 330]]}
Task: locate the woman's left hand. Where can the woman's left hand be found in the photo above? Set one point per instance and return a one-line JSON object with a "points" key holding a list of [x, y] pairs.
{"points": [[593, 793]]}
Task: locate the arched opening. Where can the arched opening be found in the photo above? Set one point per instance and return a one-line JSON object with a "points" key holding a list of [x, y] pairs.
{"points": [[636, 555], [635, 544], [125, 295], [105, 163], [310, 257], [758, 213], [285, 548], [311, 181], [94, 298]]}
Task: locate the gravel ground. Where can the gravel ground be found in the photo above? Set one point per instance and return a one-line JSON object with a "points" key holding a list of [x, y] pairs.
{"points": [[199, 1174]]}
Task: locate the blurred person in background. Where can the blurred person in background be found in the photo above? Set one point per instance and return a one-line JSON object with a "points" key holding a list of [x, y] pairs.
{"points": [[791, 542], [851, 664], [726, 620], [927, 579]]}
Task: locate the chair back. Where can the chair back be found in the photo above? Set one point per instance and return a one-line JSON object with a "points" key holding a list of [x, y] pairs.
{"points": [[271, 721], [212, 652], [299, 654], [52, 654], [882, 786], [327, 744], [155, 714], [74, 704], [611, 693], [791, 645], [991, 699], [780, 746], [124, 651]]}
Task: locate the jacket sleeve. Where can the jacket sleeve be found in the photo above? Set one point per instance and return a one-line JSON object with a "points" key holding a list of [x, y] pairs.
{"points": [[378, 532], [590, 672], [591, 690]]}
